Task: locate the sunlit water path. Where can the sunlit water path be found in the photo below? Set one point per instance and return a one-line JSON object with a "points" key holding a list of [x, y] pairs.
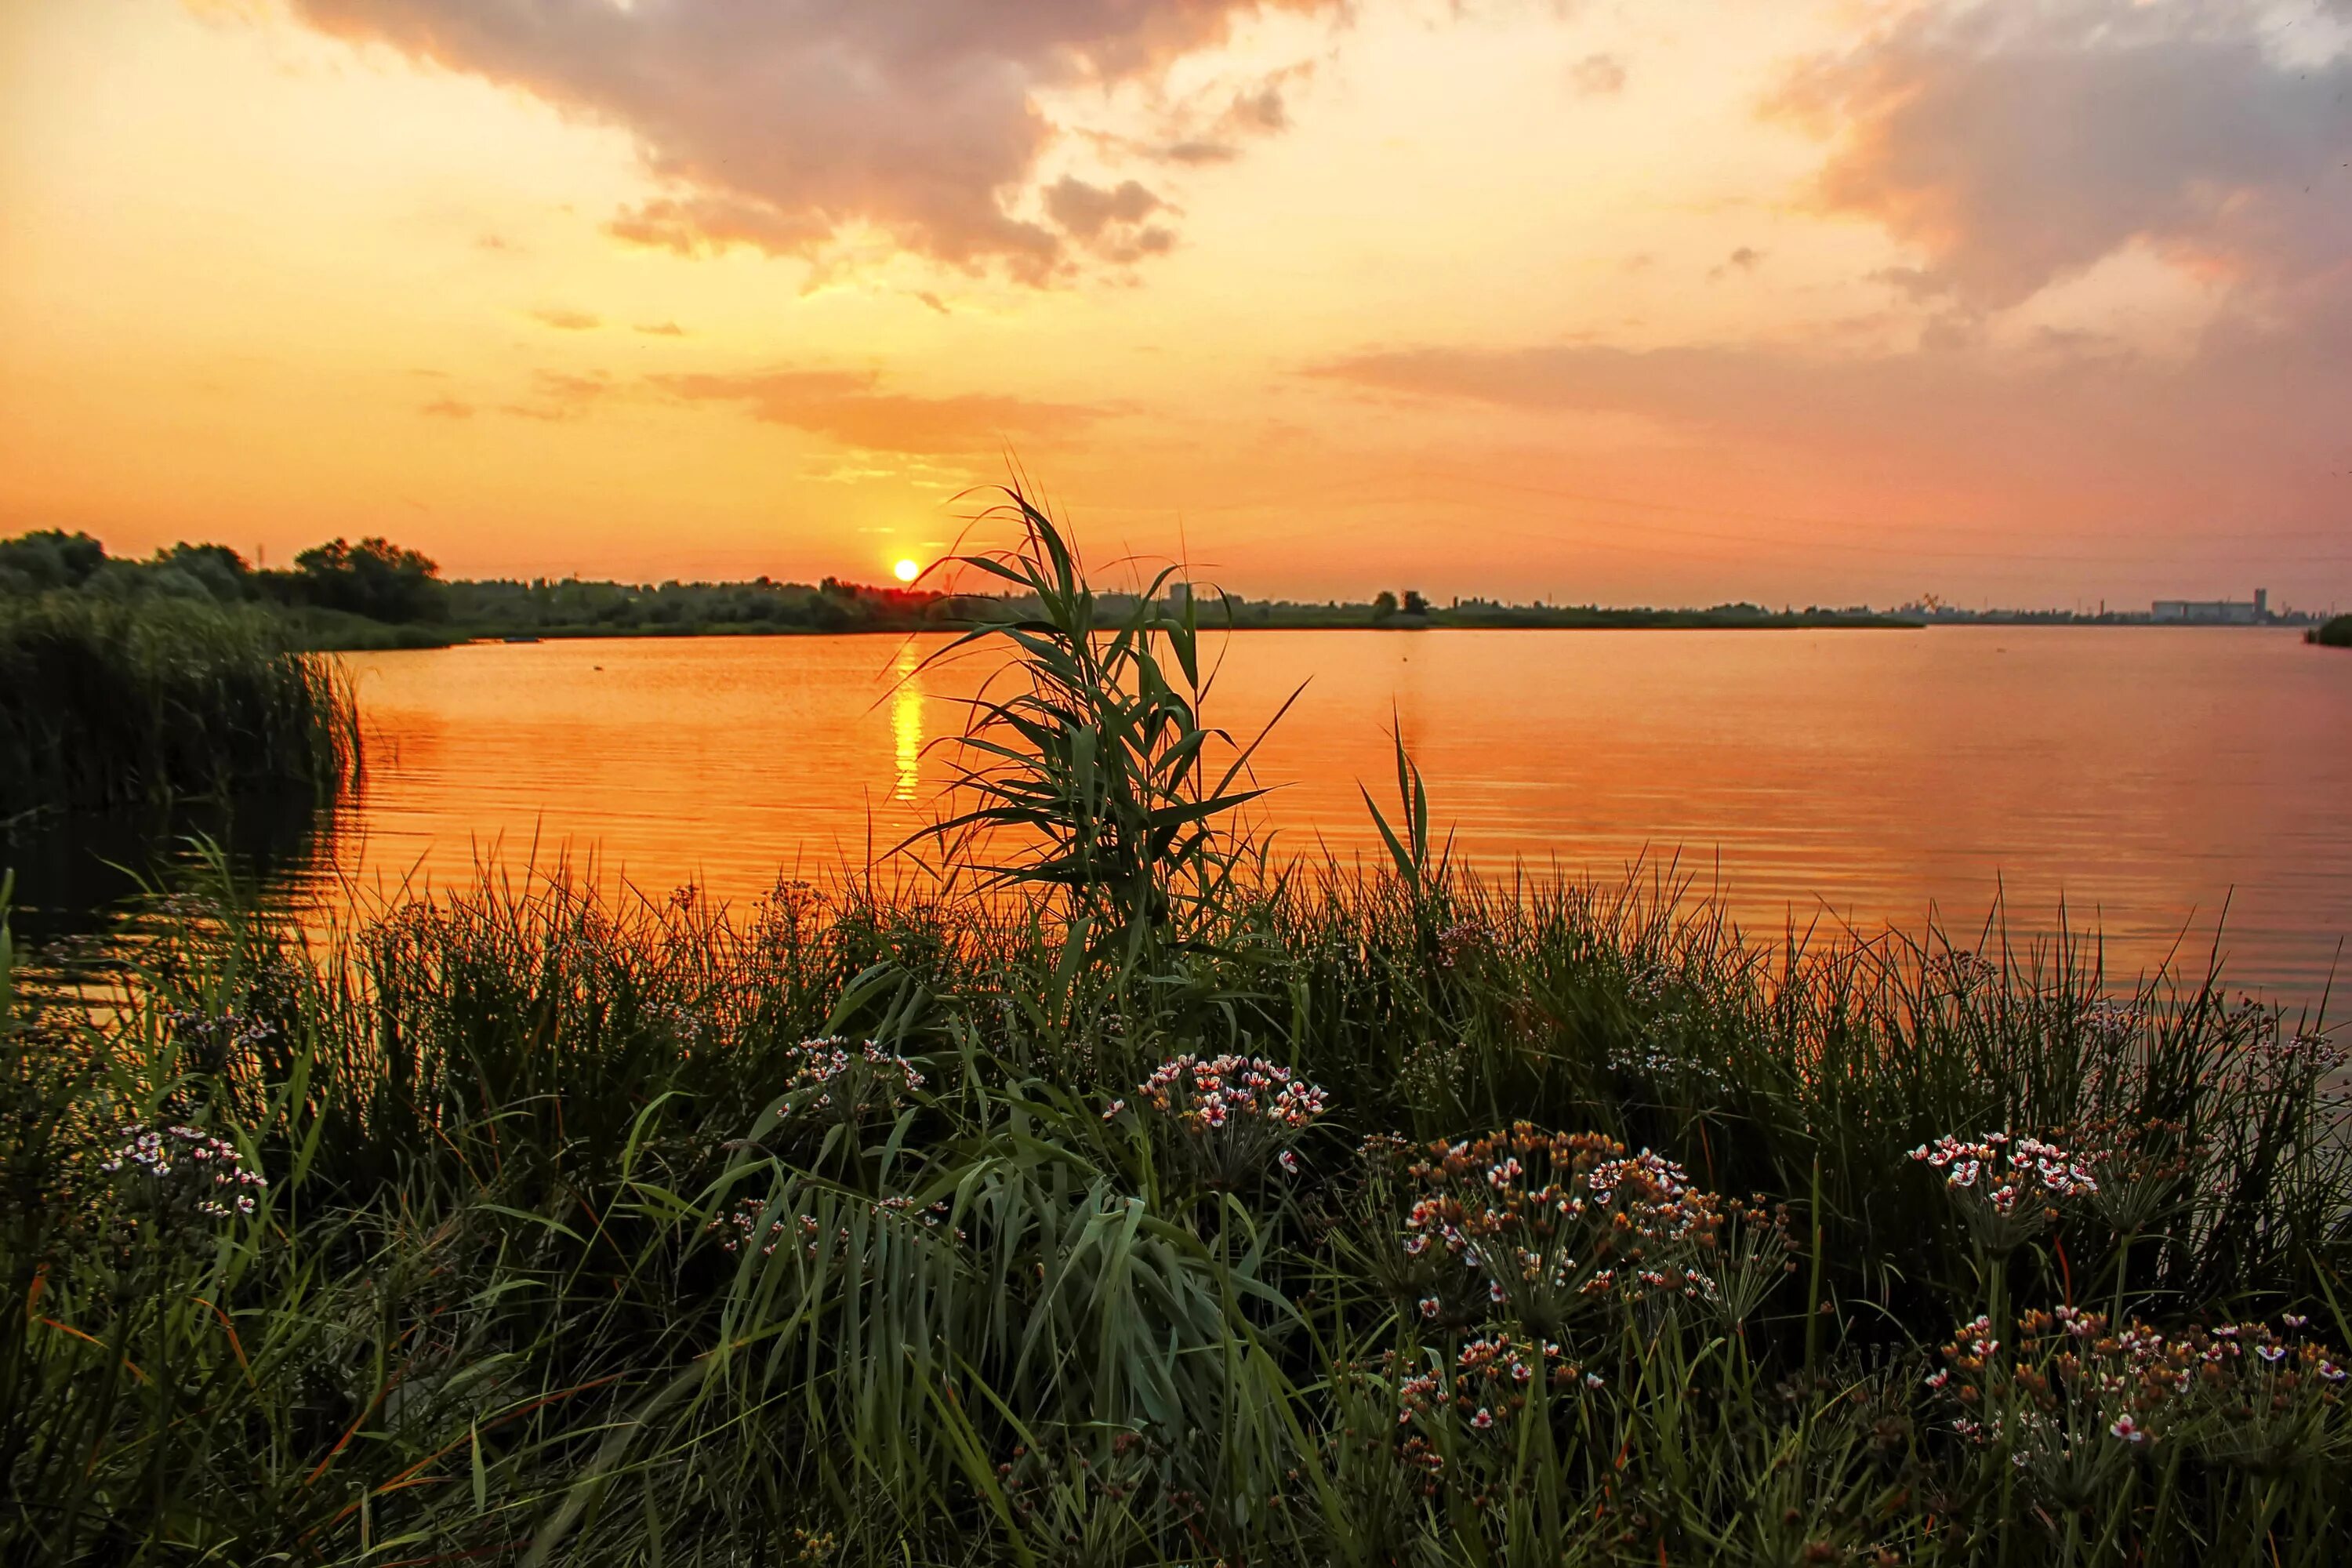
{"points": [[2148, 777]]}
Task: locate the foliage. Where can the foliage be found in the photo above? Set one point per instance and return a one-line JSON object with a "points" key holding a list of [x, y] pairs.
{"points": [[2337, 633], [1098, 782], [107, 702], [1139, 1206], [374, 578]]}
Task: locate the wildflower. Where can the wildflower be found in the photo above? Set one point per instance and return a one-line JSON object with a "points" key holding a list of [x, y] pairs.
{"points": [[1593, 1380], [2128, 1430], [1288, 1161], [1231, 1112], [1111, 1112], [1483, 1419], [2006, 1185], [185, 1159], [830, 1081]]}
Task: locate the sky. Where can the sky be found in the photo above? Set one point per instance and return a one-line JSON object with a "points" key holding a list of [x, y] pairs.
{"points": [[1634, 301]]}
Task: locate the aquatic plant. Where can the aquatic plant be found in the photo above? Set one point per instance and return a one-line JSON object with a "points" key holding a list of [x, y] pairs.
{"points": [[108, 703]]}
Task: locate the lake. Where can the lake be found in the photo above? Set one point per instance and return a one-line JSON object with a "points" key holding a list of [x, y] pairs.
{"points": [[2148, 777]]}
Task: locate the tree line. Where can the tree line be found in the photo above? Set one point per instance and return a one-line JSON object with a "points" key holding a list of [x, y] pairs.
{"points": [[391, 584]]}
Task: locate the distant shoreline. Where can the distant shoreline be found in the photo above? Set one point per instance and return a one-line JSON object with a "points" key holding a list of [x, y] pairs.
{"points": [[413, 638]]}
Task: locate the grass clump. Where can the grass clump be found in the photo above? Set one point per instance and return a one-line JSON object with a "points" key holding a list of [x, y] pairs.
{"points": [[2337, 633], [1314, 1216], [107, 703]]}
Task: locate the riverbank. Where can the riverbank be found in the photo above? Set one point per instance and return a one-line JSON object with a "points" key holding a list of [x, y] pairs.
{"points": [[109, 704], [1109, 1201], [2337, 633], [857, 1227]]}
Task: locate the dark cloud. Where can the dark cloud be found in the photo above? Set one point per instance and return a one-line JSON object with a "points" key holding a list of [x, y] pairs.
{"points": [[1597, 75], [564, 321], [848, 407], [776, 124], [2017, 144]]}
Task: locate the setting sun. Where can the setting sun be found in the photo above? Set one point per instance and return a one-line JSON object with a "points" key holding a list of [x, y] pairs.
{"points": [[907, 569]]}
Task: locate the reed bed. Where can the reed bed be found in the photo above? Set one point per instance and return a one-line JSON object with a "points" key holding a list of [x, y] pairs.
{"points": [[1121, 1200], [107, 703]]}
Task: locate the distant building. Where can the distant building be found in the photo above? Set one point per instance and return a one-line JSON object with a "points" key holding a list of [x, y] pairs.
{"points": [[2214, 612], [1178, 596]]}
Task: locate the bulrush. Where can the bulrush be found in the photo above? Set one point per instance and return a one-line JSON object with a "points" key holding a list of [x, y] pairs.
{"points": [[2006, 1186], [1230, 1113]]}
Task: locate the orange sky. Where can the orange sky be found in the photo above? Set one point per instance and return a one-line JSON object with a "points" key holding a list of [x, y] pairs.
{"points": [[2046, 302]]}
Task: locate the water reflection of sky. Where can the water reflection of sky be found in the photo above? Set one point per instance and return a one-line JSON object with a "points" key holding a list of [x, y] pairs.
{"points": [[2147, 777]]}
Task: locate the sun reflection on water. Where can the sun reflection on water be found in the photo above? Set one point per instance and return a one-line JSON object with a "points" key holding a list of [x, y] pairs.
{"points": [[907, 723]]}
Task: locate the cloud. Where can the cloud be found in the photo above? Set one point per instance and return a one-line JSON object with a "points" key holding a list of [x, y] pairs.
{"points": [[1597, 75], [1086, 210], [2015, 145], [2244, 426], [566, 320], [846, 406], [661, 329], [1746, 258], [778, 125], [448, 409]]}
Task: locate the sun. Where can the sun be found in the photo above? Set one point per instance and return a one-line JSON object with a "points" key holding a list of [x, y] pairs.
{"points": [[907, 569]]}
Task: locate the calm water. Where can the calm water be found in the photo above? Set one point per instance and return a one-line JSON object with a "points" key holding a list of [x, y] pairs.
{"points": [[2148, 777]]}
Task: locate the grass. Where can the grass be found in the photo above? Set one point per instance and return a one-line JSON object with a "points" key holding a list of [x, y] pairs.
{"points": [[888, 1222], [2337, 633], [107, 704]]}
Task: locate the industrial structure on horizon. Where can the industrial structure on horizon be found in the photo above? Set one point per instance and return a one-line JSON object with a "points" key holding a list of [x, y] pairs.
{"points": [[2214, 612]]}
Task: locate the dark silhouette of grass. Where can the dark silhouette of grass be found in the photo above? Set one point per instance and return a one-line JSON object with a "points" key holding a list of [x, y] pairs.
{"points": [[106, 703]]}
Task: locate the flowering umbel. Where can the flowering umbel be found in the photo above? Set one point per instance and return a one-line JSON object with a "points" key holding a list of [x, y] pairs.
{"points": [[2007, 1186], [1229, 1113], [833, 1080], [1553, 1221], [185, 1163]]}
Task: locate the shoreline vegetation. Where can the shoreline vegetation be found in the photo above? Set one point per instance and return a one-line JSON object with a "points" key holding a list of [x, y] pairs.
{"points": [[376, 596], [118, 704], [1103, 1197], [2337, 633]]}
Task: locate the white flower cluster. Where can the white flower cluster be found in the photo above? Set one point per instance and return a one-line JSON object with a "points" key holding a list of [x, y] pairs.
{"points": [[209, 1166], [832, 1079], [2010, 1179], [1231, 1111]]}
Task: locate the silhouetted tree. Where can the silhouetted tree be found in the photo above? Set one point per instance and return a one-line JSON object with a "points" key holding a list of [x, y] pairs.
{"points": [[1415, 605], [374, 578], [1384, 604], [51, 558]]}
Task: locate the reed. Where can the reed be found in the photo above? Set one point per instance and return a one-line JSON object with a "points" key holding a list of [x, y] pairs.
{"points": [[107, 703], [1346, 1217]]}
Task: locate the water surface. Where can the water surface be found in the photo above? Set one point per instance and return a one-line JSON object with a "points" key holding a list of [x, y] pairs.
{"points": [[2148, 777]]}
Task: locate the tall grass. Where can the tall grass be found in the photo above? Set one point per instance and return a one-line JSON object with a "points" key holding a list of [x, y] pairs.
{"points": [[137, 702], [860, 1228]]}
